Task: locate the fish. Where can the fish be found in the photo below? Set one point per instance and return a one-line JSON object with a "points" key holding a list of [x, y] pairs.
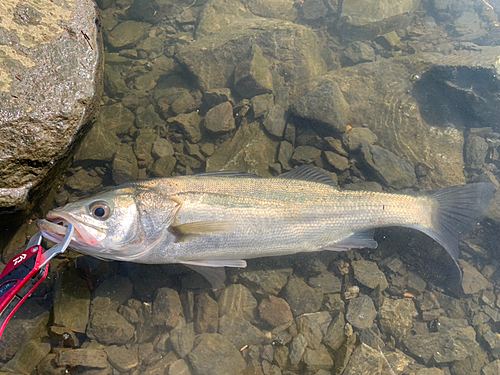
{"points": [[214, 220]]}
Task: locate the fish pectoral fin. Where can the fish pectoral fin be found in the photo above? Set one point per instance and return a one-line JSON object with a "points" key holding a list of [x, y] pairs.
{"points": [[358, 240], [213, 270], [183, 232]]}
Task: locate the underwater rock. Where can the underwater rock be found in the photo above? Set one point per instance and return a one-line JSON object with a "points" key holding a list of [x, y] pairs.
{"points": [[50, 89], [274, 121], [275, 311], [324, 103], [338, 162], [314, 326], [167, 308], [189, 124], [475, 151], [121, 358], [252, 76], [301, 297], [292, 50], [356, 136], [124, 168], [392, 170], [92, 358], [126, 34], [109, 327], [285, 155], [280, 9], [396, 316], [334, 336], [316, 359], [237, 300], [206, 314], [220, 119], [250, 150], [365, 360], [240, 331], [361, 312], [359, 52], [182, 339], [214, 354], [306, 155], [368, 274], [219, 14], [472, 281]]}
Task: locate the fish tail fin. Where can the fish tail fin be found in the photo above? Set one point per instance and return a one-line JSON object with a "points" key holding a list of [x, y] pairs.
{"points": [[459, 208]]}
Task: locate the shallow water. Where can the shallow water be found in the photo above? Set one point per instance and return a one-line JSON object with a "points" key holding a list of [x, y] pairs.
{"points": [[393, 100]]}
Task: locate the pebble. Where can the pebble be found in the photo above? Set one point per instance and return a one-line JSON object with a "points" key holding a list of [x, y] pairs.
{"points": [[361, 312], [297, 349], [301, 297], [167, 308], [94, 358], [368, 274], [334, 336], [240, 332], [396, 316], [121, 358], [206, 314], [220, 119], [275, 311], [182, 339], [214, 354], [237, 300], [162, 148]]}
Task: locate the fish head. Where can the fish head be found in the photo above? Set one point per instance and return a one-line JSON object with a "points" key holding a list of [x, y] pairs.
{"points": [[106, 225]]}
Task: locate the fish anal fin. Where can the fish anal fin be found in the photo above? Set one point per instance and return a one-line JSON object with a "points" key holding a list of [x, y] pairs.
{"points": [[358, 240], [215, 275], [183, 232]]}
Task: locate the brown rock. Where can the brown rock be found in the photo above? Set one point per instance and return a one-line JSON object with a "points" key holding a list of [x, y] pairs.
{"points": [[275, 311]]}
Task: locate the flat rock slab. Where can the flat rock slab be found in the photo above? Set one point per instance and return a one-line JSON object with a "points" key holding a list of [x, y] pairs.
{"points": [[50, 87]]}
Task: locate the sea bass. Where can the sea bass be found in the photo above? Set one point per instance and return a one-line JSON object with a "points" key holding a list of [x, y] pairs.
{"points": [[215, 220]]}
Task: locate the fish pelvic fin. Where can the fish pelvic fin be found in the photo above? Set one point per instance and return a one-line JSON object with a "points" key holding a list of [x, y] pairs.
{"points": [[458, 210], [185, 232]]}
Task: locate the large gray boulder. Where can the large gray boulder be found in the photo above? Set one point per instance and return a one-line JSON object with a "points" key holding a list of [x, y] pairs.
{"points": [[50, 88]]}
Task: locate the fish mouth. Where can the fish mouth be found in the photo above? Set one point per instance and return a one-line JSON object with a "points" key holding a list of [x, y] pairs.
{"points": [[54, 229]]}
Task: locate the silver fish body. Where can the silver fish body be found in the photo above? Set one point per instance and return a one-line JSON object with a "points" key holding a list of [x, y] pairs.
{"points": [[212, 221]]}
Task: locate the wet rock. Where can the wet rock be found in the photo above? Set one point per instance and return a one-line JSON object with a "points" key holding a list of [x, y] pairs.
{"points": [[317, 359], [129, 314], [161, 366], [219, 15], [368, 274], [184, 103], [473, 281], [127, 33], [149, 119], [338, 162], [163, 167], [109, 327], [301, 297], [111, 293], [71, 301], [162, 148], [47, 96], [392, 170], [389, 41], [27, 357], [327, 282], [492, 339], [114, 83], [207, 149], [214, 354], [314, 10], [298, 56], [324, 103], [93, 358], [493, 213], [253, 77], [359, 52], [297, 349], [285, 154], [189, 124], [250, 151], [237, 300], [274, 122], [179, 367], [239, 331], [167, 307], [124, 167], [83, 180], [475, 151], [280, 9], [121, 358], [335, 334], [116, 118], [364, 360], [151, 45], [361, 312], [314, 326], [356, 136], [441, 347], [206, 314], [361, 23], [144, 144], [415, 283], [182, 339], [275, 311], [265, 282], [261, 104], [306, 155], [492, 368], [217, 96], [396, 316], [220, 119]]}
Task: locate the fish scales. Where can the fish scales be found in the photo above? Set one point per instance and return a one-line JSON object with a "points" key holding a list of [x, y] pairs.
{"points": [[210, 221]]}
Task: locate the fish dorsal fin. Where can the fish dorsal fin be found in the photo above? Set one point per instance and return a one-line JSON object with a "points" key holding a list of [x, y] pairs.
{"points": [[311, 174], [236, 174], [183, 232]]}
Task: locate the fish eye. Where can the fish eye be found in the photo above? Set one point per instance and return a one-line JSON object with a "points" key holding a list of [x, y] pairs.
{"points": [[100, 210]]}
